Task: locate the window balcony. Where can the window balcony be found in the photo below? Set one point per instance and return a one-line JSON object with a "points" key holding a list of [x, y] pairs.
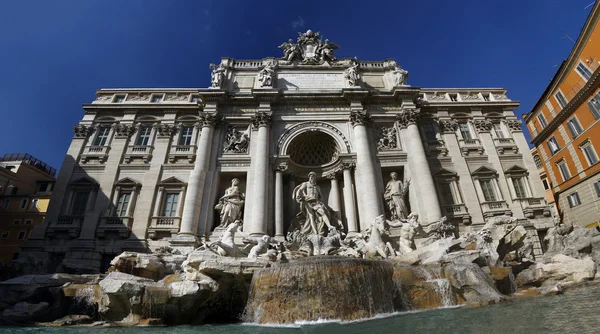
{"points": [[504, 144], [143, 152], [435, 146], [120, 225], [468, 146], [95, 152], [161, 226], [534, 206], [69, 225], [182, 152], [457, 211], [495, 208]]}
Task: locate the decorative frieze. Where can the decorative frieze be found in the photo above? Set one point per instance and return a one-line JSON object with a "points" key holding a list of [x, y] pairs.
{"points": [[104, 98], [387, 138], [500, 97], [177, 97], [138, 97], [469, 96], [437, 97]]}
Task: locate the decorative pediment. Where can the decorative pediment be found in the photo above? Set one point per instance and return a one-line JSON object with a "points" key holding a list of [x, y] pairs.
{"points": [[516, 170], [172, 181], [484, 171], [127, 182], [84, 181], [445, 174]]}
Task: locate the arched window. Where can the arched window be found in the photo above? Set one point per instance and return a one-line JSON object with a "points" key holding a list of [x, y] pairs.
{"points": [[538, 161]]}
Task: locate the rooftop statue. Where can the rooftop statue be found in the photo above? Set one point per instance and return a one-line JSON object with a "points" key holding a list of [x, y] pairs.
{"points": [[309, 49], [267, 74], [351, 74], [217, 76]]}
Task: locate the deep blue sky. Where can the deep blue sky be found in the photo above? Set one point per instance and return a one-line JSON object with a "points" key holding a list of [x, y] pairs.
{"points": [[54, 55]]}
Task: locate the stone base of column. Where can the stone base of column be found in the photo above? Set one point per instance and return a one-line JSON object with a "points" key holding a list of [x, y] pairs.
{"points": [[185, 243], [279, 238]]}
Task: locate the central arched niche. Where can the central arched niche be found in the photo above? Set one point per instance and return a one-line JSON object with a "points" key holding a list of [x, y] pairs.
{"points": [[313, 149]]}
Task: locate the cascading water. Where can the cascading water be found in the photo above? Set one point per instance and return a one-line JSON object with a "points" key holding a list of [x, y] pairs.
{"points": [[321, 288], [428, 280]]}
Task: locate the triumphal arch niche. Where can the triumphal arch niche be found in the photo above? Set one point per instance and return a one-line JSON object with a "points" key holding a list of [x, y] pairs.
{"points": [[313, 139]]}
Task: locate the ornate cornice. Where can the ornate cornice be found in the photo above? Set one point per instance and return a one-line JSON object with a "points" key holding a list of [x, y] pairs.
{"points": [[261, 118]]}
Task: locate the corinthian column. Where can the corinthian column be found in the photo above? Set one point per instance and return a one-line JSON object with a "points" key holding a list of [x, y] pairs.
{"points": [[349, 200], [193, 196], [421, 179], [279, 201], [369, 199], [334, 194], [260, 164]]}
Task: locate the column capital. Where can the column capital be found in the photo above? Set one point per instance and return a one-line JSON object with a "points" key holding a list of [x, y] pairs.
{"points": [[82, 131], [513, 125], [408, 116], [448, 125], [209, 120], [261, 118], [332, 175], [122, 130], [282, 167], [359, 117], [482, 125], [348, 164], [164, 130]]}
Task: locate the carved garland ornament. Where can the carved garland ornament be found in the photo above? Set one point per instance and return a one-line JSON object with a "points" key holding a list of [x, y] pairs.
{"points": [[122, 130], [482, 125], [164, 130], [448, 125], [82, 131], [513, 124]]}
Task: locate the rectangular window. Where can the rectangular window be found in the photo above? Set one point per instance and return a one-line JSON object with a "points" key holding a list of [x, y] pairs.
{"points": [[486, 96], [119, 98], [429, 131], [170, 204], [542, 120], [17, 222], [553, 145], [102, 136], [21, 235], [144, 136], [79, 204], [546, 185], [122, 204], [538, 162], [519, 187], [594, 106], [597, 188], [573, 199], [4, 235], [574, 127], [453, 97], [156, 98], [498, 130], [584, 71], [465, 132], [34, 203], [488, 190], [446, 192], [15, 256], [590, 153], [561, 99], [28, 221], [186, 135], [43, 187], [564, 170], [23, 203], [6, 204], [195, 98]]}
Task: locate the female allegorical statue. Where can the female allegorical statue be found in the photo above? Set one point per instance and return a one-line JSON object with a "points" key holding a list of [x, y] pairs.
{"points": [[231, 204]]}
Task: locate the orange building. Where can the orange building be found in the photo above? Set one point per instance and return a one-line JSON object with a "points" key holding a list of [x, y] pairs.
{"points": [[565, 127], [26, 184]]}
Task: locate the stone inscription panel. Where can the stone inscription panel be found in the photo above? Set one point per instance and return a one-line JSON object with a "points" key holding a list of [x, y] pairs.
{"points": [[296, 81]]}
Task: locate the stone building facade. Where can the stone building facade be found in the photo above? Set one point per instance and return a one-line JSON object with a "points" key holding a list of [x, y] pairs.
{"points": [[147, 167]]}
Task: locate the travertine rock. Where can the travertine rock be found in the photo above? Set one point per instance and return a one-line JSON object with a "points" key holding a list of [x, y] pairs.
{"points": [[561, 268], [471, 284]]}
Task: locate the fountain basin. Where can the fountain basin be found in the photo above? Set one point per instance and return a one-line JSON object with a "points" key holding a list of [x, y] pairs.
{"points": [[321, 288]]}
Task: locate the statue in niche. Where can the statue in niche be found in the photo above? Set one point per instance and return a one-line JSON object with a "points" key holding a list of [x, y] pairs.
{"points": [[267, 74], [316, 214], [231, 204], [351, 74], [408, 230], [236, 141], [399, 74], [395, 196], [217, 76], [387, 140]]}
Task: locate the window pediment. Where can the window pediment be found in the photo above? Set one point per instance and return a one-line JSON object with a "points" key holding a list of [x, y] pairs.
{"points": [[516, 170], [445, 174], [128, 182], [172, 181], [484, 172]]}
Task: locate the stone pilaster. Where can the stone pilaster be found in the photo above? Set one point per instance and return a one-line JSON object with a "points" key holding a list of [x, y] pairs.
{"points": [[421, 179], [369, 199], [260, 164], [194, 194]]}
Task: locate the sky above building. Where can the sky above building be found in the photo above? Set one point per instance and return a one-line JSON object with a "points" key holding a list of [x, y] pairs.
{"points": [[56, 54]]}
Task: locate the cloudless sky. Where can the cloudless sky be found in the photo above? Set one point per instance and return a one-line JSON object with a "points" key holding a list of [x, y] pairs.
{"points": [[54, 55]]}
